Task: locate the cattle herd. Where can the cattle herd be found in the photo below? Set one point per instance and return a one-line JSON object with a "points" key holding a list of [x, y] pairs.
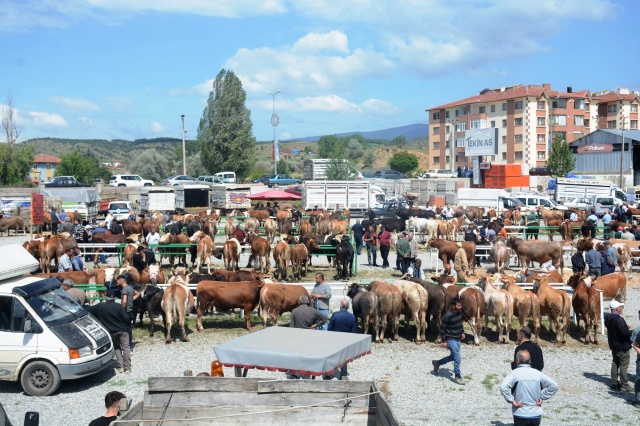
{"points": [[379, 305]]}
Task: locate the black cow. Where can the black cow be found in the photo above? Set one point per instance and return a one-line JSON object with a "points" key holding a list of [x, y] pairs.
{"points": [[405, 213], [193, 227], [397, 225], [344, 257], [365, 306], [174, 228], [150, 303]]}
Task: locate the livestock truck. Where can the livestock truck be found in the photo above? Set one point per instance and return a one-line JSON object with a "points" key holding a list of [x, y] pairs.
{"points": [[356, 196], [192, 198], [230, 197], [488, 198], [316, 169], [157, 198], [82, 200], [568, 189]]}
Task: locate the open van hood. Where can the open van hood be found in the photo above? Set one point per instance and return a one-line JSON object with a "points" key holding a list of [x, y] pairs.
{"points": [[16, 261]]}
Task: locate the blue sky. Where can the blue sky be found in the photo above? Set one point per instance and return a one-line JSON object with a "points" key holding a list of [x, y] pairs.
{"points": [[127, 69]]}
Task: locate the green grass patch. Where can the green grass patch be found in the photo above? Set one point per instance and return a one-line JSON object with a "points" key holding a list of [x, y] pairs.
{"points": [[118, 382], [488, 381]]}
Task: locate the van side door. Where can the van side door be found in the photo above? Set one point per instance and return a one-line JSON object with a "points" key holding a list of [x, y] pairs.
{"points": [[15, 344]]}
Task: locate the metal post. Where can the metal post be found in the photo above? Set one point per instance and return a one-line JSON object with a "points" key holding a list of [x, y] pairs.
{"points": [[623, 122], [275, 120], [184, 154]]}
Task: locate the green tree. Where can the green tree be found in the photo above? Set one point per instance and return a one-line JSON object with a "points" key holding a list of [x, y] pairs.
{"points": [[399, 141], [403, 162], [330, 147], [339, 169], [357, 137], [369, 159], [84, 166], [561, 160], [150, 164], [354, 150], [225, 136], [15, 161], [283, 167]]}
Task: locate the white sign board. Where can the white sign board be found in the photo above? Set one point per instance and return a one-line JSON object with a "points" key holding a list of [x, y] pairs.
{"points": [[476, 170], [276, 150], [481, 142]]}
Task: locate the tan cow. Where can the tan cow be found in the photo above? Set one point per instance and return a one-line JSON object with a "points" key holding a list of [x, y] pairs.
{"points": [[611, 285], [299, 257], [339, 227], [281, 256], [206, 247], [270, 228], [586, 305], [177, 302], [499, 304], [305, 228], [415, 304], [231, 251], [389, 307], [555, 305], [525, 304]]}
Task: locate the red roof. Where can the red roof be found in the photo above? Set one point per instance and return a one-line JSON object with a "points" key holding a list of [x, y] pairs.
{"points": [[615, 96], [44, 158]]}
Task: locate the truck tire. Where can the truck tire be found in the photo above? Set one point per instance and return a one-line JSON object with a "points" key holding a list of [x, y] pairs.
{"points": [[275, 185], [40, 378]]}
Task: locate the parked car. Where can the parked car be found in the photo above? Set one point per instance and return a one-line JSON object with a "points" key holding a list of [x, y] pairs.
{"points": [[389, 174], [294, 189], [283, 180], [178, 180], [129, 180], [601, 204], [440, 173], [227, 177], [367, 175], [263, 179], [65, 182], [531, 202], [387, 210], [539, 171], [578, 203], [209, 180]]}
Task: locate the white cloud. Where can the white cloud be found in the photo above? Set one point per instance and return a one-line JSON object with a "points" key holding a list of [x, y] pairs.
{"points": [[84, 121], [379, 106], [315, 42], [45, 120], [222, 8], [156, 127], [75, 105]]}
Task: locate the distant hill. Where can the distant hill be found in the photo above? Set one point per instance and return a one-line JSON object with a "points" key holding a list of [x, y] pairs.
{"points": [[409, 132]]}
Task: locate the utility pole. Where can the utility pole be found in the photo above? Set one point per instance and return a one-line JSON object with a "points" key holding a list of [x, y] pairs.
{"points": [[275, 120], [623, 122], [184, 153]]}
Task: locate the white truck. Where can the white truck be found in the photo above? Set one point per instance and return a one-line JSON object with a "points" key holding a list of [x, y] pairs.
{"points": [[192, 196], [488, 198], [316, 169], [356, 196], [568, 189], [45, 336], [160, 198], [230, 197], [83, 200]]}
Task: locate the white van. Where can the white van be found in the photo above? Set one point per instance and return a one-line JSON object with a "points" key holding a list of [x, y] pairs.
{"points": [[120, 209], [227, 177], [531, 202], [45, 336]]}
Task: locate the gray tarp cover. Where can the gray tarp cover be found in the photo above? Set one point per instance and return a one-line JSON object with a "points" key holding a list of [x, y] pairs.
{"points": [[78, 195], [293, 349]]}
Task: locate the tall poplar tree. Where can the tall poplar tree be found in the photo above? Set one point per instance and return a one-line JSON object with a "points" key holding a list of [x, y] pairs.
{"points": [[225, 137], [561, 160]]}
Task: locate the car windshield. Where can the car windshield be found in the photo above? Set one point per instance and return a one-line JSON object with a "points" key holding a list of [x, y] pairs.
{"points": [[55, 306], [117, 206]]}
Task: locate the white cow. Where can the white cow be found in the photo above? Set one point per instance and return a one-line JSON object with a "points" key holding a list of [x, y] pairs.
{"points": [[427, 227]]}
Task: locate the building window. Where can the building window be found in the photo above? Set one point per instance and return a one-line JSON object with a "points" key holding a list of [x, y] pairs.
{"points": [[436, 145], [461, 111], [446, 159], [436, 130], [518, 122], [560, 103], [578, 120], [634, 124], [518, 155], [504, 123], [541, 155], [578, 104], [34, 166], [447, 145], [460, 143], [540, 121], [586, 122], [504, 140], [518, 138], [436, 116], [504, 156], [478, 124], [460, 158], [504, 106], [48, 166], [558, 120], [612, 108], [483, 110], [518, 104], [493, 124], [436, 160], [446, 114], [634, 107], [461, 126], [541, 104], [611, 124], [541, 138], [493, 108]]}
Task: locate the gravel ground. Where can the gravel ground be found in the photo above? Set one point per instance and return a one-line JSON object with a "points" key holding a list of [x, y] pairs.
{"points": [[401, 369]]}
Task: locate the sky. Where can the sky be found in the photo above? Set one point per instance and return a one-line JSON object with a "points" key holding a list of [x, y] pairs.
{"points": [[128, 69]]}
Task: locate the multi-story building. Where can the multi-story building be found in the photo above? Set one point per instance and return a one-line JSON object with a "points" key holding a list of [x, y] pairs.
{"points": [[44, 167], [527, 118]]}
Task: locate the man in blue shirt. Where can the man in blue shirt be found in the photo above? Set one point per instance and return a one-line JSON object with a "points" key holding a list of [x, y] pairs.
{"points": [[606, 221], [345, 322], [593, 216]]}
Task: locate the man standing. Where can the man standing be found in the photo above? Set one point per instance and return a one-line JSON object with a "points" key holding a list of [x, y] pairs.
{"points": [[589, 229], [76, 294], [413, 244], [628, 235], [321, 294], [525, 388], [371, 240], [149, 255], [577, 261], [153, 237], [606, 221], [403, 250], [594, 260], [138, 260], [610, 259], [115, 320], [128, 296], [345, 322], [78, 231], [619, 337], [593, 217], [358, 233], [385, 241], [305, 316], [452, 332], [525, 344], [54, 222], [239, 234], [460, 264], [64, 265], [112, 403]]}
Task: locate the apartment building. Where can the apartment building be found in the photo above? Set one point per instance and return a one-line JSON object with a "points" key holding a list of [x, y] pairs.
{"points": [[527, 118]]}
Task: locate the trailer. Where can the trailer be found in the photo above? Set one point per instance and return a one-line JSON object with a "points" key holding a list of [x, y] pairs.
{"points": [[487, 198], [160, 198], [568, 189], [316, 169], [355, 196], [230, 197], [82, 200], [192, 196]]}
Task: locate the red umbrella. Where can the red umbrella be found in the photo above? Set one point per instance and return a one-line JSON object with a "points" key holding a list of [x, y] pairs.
{"points": [[274, 194]]}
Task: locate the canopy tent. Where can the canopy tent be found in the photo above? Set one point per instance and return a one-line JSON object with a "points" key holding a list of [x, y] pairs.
{"points": [[274, 194]]}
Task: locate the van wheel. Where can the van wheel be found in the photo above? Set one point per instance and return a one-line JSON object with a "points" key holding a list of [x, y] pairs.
{"points": [[147, 184], [40, 378], [121, 184]]}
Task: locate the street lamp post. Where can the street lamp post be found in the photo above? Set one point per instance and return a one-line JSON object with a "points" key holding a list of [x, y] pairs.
{"points": [[623, 122], [275, 120], [184, 153]]}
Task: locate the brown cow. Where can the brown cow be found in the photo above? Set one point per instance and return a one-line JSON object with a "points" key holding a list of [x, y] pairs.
{"points": [[548, 215], [276, 299], [447, 251], [128, 252], [586, 305], [281, 256], [492, 215], [231, 251], [390, 305], [78, 277], [365, 306], [206, 247], [260, 251], [15, 223], [177, 302], [611, 285], [339, 227], [232, 276], [555, 305], [553, 277], [173, 239], [499, 304], [537, 251], [259, 215], [281, 215], [224, 295], [525, 304], [415, 303], [132, 227], [472, 301], [299, 257], [305, 228]]}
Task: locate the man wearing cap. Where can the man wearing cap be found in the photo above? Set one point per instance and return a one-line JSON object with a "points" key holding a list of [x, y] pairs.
{"points": [[460, 264], [609, 259], [76, 294], [619, 337]]}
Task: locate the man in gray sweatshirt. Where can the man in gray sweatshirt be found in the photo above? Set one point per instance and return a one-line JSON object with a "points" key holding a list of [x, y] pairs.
{"points": [[525, 388], [321, 294]]}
